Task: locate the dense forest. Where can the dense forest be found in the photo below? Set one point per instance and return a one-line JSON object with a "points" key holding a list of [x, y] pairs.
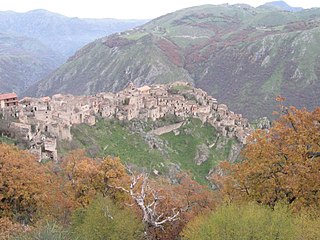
{"points": [[273, 192]]}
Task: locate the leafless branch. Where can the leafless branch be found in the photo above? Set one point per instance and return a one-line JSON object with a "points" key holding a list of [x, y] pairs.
{"points": [[147, 200], [313, 154]]}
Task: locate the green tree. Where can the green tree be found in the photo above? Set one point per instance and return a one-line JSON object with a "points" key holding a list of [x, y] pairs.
{"points": [[243, 222], [103, 219], [307, 226]]}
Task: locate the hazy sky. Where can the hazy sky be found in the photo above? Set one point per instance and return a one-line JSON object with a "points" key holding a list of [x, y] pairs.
{"points": [[139, 9]]}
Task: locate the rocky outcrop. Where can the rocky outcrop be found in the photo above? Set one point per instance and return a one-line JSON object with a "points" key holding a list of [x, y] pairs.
{"points": [[202, 154]]}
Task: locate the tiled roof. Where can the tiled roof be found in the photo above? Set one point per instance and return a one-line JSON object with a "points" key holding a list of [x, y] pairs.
{"points": [[8, 96], [144, 88]]}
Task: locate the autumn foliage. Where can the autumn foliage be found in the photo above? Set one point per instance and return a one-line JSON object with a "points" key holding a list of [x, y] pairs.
{"points": [[280, 165], [86, 177], [23, 184], [30, 190]]}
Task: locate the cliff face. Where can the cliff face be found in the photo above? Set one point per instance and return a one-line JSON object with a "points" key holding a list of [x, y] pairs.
{"points": [[244, 56]]}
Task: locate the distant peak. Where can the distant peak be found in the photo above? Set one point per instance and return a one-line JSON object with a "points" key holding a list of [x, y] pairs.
{"points": [[43, 12], [38, 11], [283, 6]]}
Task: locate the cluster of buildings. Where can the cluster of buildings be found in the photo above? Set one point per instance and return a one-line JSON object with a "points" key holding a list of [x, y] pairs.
{"points": [[43, 120]]}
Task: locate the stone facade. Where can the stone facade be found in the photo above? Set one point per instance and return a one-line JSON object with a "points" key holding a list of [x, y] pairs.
{"points": [[53, 117], [8, 100]]}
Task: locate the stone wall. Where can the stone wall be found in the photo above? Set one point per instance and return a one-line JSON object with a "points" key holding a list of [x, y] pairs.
{"points": [[167, 129]]}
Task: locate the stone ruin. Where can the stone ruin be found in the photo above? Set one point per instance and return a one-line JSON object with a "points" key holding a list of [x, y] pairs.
{"points": [[44, 120]]}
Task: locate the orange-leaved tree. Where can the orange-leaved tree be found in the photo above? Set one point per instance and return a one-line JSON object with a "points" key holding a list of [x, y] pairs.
{"points": [[282, 164], [87, 177], [24, 184], [81, 174]]}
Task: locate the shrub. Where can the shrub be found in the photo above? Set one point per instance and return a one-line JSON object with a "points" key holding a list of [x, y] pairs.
{"points": [[103, 219], [47, 231], [242, 222]]}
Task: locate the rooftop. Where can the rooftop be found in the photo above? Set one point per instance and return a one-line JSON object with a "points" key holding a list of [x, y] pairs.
{"points": [[7, 96]]}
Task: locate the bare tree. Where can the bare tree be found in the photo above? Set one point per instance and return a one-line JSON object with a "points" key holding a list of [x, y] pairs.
{"points": [[148, 200]]}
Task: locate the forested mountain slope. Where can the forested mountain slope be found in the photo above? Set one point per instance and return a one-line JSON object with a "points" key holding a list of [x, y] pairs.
{"points": [[241, 55]]}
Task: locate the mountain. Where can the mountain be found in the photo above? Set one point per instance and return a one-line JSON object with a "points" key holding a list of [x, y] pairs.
{"points": [[35, 43], [241, 55], [23, 61], [282, 6], [60, 33]]}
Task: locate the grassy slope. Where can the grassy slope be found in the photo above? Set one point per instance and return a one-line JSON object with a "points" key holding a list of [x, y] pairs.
{"points": [[183, 148], [111, 137]]}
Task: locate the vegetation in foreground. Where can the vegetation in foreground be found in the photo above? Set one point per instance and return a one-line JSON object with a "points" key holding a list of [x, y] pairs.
{"points": [[251, 221], [272, 194]]}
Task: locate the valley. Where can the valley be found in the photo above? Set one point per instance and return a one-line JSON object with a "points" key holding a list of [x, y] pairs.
{"points": [[202, 123]]}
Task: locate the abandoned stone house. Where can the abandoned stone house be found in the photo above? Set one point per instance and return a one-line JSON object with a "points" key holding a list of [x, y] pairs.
{"points": [[8, 100]]}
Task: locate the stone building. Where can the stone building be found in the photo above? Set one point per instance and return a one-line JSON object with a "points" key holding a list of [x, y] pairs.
{"points": [[8, 100]]}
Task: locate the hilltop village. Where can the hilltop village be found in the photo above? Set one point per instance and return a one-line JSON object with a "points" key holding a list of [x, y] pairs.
{"points": [[42, 121]]}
